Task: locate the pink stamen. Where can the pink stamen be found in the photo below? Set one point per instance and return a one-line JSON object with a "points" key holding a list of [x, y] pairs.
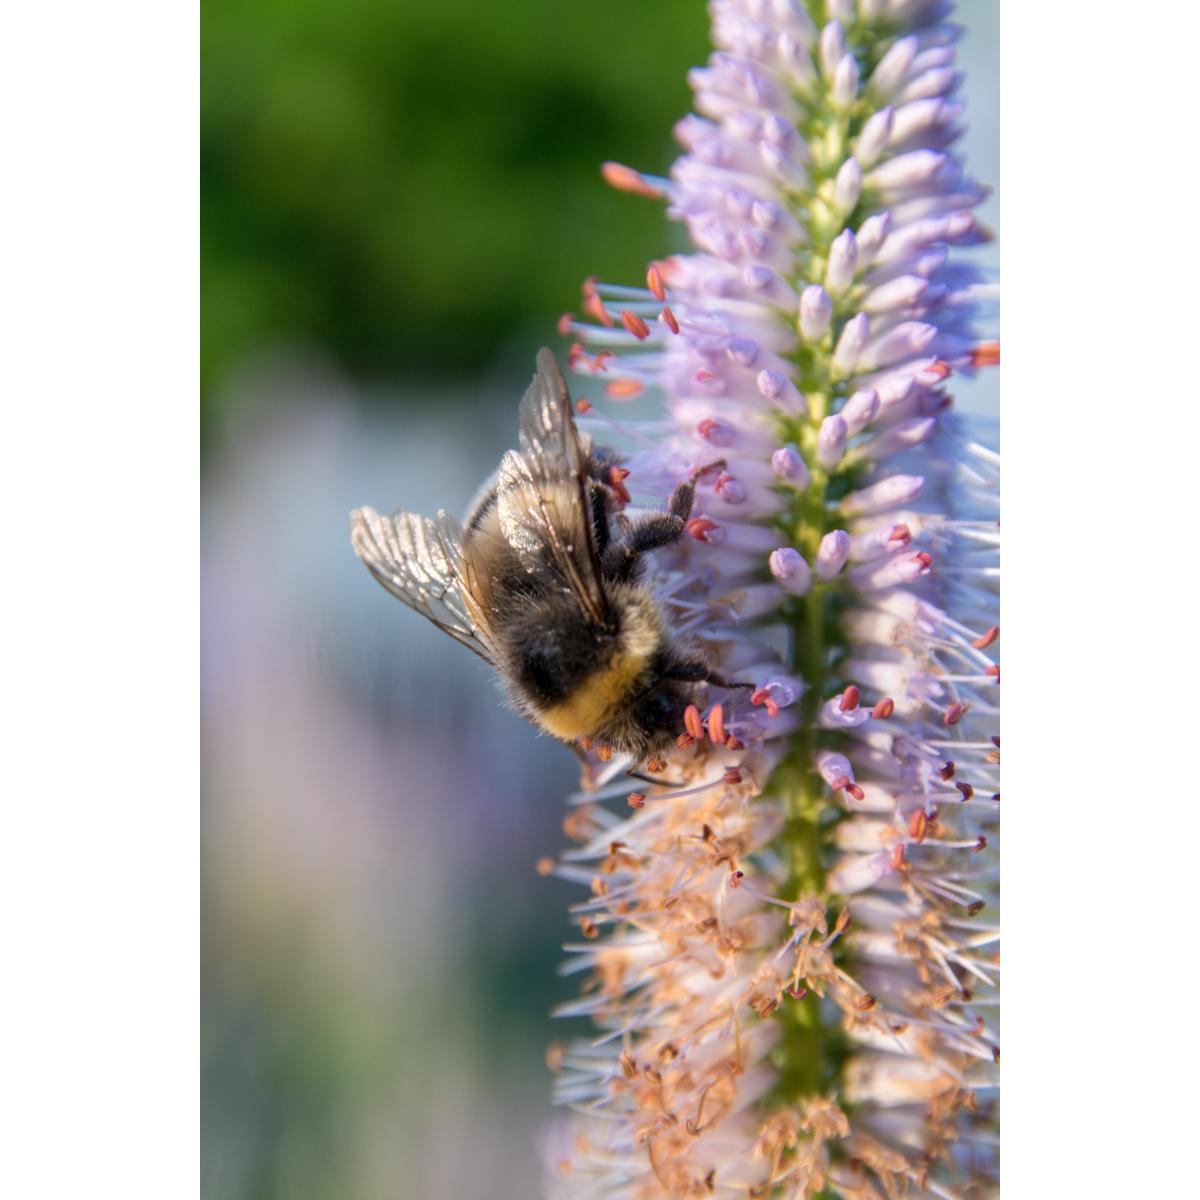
{"points": [[716, 724], [849, 699], [626, 179], [986, 354], [918, 825], [654, 282], [635, 324], [624, 389], [669, 317], [692, 722], [984, 640], [884, 709]]}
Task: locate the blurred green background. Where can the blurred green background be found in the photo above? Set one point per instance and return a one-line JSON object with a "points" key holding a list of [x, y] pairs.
{"points": [[398, 200], [405, 184]]}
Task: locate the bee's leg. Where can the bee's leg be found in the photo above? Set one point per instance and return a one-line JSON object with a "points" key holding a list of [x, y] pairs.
{"points": [[656, 530], [698, 672], [620, 562], [600, 522]]}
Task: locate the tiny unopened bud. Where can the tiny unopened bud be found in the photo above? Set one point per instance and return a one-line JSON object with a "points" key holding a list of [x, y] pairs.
{"points": [[843, 256], [787, 464], [831, 440], [816, 312], [872, 233], [860, 410], [847, 186], [832, 553], [850, 345], [788, 566]]}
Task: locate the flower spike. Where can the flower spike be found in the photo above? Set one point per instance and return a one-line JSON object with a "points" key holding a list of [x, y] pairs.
{"points": [[746, 1042]]}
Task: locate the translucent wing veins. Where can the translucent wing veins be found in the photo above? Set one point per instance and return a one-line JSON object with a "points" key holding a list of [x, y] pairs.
{"points": [[421, 562]]}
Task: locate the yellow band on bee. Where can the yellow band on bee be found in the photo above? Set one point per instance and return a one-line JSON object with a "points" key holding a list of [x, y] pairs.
{"points": [[594, 701]]}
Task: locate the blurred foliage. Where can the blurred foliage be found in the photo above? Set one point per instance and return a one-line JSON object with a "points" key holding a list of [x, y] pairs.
{"points": [[407, 184]]}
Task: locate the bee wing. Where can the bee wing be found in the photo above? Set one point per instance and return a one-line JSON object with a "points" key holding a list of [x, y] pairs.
{"points": [[543, 492], [422, 563]]}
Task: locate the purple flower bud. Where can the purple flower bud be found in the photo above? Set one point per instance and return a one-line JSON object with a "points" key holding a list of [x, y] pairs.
{"points": [[785, 168], [907, 171], [937, 82], [779, 389], [859, 411], [874, 137], [742, 351], [899, 293], [816, 311], [889, 493], [902, 341], [789, 567], [904, 436], [797, 61], [847, 185], [843, 256], [779, 131], [832, 47], [855, 335], [845, 82], [872, 233], [832, 554], [770, 286], [787, 464], [831, 440], [893, 66]]}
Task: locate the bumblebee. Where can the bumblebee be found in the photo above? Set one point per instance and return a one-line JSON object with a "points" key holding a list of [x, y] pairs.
{"points": [[543, 581]]}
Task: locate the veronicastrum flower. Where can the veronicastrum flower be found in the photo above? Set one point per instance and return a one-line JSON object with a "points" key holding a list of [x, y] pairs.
{"points": [[791, 953]]}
